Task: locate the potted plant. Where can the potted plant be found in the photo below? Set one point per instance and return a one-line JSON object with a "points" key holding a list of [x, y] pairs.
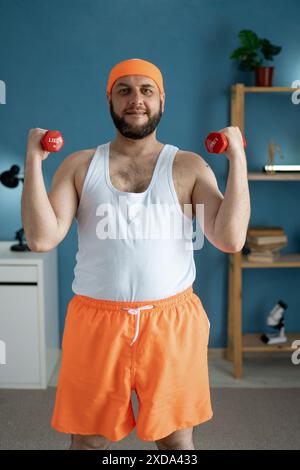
{"points": [[252, 54]]}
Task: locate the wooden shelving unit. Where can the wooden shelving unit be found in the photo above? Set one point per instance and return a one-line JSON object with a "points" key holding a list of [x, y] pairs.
{"points": [[275, 177], [237, 342], [253, 343]]}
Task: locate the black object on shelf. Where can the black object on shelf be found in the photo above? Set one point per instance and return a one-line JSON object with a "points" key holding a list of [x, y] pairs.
{"points": [[10, 179], [20, 246]]}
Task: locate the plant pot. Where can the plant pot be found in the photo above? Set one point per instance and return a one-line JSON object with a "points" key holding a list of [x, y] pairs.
{"points": [[264, 76]]}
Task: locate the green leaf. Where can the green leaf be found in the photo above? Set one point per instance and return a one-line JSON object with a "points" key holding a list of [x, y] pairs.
{"points": [[249, 39], [269, 50], [238, 53]]}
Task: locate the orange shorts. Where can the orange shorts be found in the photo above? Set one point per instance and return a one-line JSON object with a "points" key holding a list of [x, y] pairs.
{"points": [[156, 348]]}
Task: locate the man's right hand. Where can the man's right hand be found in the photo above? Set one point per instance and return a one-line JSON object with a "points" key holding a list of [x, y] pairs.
{"points": [[34, 147]]}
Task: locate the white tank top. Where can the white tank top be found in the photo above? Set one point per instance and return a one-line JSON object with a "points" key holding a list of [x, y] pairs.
{"points": [[151, 265]]}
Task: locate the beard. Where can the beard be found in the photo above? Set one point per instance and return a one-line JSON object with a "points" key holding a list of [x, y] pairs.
{"points": [[136, 131]]}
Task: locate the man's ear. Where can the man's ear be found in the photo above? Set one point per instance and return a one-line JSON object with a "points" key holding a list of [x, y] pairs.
{"points": [[162, 97]]}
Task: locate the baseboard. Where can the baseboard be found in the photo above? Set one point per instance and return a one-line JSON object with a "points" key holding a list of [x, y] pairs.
{"points": [[221, 352], [216, 352]]}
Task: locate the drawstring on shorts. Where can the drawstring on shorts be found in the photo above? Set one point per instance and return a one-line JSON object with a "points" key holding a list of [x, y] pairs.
{"points": [[136, 311]]}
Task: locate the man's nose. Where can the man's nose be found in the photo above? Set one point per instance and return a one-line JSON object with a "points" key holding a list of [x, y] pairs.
{"points": [[136, 96]]}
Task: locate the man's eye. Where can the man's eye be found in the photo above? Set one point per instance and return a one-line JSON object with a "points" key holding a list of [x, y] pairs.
{"points": [[144, 89]]}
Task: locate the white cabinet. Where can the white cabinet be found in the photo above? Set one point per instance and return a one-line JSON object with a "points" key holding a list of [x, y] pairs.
{"points": [[29, 318]]}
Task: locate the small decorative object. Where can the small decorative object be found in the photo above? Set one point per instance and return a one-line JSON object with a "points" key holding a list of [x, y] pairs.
{"points": [[276, 320], [270, 168], [271, 155], [252, 56]]}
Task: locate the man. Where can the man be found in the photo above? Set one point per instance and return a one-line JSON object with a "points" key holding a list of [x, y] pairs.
{"points": [[134, 322]]}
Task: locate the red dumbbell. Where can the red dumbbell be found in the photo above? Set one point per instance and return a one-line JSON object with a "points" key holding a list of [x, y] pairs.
{"points": [[216, 142], [52, 141]]}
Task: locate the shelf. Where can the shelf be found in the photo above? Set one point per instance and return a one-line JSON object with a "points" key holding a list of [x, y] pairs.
{"points": [[274, 177], [290, 260], [251, 342], [268, 89]]}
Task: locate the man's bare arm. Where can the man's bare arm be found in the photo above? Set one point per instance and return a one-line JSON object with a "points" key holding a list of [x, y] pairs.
{"points": [[47, 217], [206, 192], [226, 217], [234, 213]]}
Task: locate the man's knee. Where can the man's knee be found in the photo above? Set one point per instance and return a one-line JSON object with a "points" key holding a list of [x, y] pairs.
{"points": [[181, 439], [89, 442]]}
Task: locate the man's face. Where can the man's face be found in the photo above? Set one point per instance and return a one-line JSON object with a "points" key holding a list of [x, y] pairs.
{"points": [[136, 106]]}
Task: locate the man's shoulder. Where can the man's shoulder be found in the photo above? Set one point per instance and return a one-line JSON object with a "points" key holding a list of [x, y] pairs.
{"points": [[188, 155], [81, 154], [79, 159], [189, 160]]}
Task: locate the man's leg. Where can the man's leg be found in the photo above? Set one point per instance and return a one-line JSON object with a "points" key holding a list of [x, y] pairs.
{"points": [[89, 442], [181, 440]]}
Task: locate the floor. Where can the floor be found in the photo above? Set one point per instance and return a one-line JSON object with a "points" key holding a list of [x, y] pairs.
{"points": [[259, 411]]}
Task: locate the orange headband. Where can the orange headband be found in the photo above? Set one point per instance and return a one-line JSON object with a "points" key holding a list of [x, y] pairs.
{"points": [[135, 67]]}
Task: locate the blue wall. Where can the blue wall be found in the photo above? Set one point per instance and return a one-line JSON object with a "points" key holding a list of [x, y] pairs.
{"points": [[55, 58]]}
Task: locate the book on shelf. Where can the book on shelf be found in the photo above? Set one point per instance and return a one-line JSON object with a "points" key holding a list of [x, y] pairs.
{"points": [[267, 246], [266, 256], [263, 240], [262, 230], [266, 237]]}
